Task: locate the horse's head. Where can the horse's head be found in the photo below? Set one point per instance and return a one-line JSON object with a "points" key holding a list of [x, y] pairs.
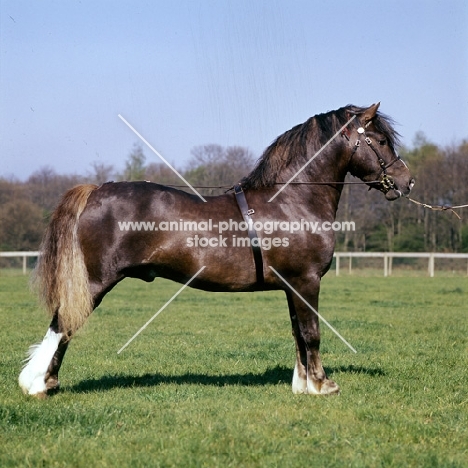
{"points": [[373, 157]]}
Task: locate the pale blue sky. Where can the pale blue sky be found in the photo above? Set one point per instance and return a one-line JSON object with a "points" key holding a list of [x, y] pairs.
{"points": [[237, 72]]}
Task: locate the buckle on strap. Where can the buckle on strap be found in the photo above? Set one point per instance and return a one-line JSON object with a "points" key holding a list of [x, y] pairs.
{"points": [[252, 233]]}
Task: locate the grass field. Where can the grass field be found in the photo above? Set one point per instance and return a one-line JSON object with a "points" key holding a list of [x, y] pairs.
{"points": [[207, 384]]}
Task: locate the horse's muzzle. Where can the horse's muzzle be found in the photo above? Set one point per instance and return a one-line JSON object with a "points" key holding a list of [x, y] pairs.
{"points": [[396, 192]]}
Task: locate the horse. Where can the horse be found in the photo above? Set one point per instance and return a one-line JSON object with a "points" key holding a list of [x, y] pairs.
{"points": [[87, 248]]}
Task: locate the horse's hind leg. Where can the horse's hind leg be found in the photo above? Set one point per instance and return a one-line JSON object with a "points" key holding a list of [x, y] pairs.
{"points": [[40, 375], [309, 375], [51, 377], [52, 383]]}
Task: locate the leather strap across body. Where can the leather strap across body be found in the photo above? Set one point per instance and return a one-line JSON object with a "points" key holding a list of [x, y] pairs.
{"points": [[252, 233]]}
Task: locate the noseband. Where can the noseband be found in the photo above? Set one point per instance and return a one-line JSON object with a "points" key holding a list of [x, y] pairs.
{"points": [[386, 181]]}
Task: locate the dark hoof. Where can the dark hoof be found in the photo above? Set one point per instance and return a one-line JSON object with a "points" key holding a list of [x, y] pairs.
{"points": [[52, 386]]}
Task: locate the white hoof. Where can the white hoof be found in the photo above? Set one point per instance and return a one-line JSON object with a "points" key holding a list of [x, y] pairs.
{"points": [[307, 386], [301, 385]]}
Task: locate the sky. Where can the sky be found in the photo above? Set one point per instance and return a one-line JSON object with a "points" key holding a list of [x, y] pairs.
{"points": [[227, 72]]}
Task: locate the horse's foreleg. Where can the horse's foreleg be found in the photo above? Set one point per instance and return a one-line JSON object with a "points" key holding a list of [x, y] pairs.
{"points": [[40, 374], [309, 376]]}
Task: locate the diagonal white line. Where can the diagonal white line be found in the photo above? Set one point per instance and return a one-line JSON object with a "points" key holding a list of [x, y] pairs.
{"points": [[161, 309], [159, 155], [312, 158], [313, 310]]}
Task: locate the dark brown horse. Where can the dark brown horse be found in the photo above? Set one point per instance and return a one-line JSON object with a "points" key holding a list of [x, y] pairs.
{"points": [[91, 243]]}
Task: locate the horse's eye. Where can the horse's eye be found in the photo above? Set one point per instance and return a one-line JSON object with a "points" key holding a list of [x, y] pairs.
{"points": [[382, 142]]}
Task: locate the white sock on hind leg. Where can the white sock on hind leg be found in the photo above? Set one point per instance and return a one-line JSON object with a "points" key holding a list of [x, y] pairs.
{"points": [[32, 377]]}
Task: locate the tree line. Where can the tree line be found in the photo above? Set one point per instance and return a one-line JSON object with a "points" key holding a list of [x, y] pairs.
{"points": [[441, 174]]}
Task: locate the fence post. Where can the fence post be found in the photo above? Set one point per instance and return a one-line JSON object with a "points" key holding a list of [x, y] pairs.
{"points": [[385, 265], [431, 265], [337, 258], [24, 264]]}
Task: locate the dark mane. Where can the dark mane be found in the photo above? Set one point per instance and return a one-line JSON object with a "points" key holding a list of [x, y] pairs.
{"points": [[295, 145]]}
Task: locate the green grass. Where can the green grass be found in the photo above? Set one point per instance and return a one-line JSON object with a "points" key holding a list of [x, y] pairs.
{"points": [[207, 384]]}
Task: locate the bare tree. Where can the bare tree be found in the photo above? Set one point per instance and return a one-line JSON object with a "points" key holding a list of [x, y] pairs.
{"points": [[162, 174], [101, 173], [45, 187], [214, 165]]}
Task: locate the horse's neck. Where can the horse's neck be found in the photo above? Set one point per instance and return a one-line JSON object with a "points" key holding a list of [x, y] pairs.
{"points": [[318, 180]]}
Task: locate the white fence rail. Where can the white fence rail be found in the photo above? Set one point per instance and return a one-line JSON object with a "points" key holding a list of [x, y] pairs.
{"points": [[387, 258], [24, 255]]}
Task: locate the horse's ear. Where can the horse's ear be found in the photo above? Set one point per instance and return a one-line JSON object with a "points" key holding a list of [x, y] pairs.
{"points": [[370, 113]]}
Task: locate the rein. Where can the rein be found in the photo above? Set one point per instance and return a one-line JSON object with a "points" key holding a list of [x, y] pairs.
{"points": [[231, 187], [384, 179], [439, 207]]}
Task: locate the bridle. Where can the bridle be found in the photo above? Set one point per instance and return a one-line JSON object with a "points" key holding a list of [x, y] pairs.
{"points": [[386, 181]]}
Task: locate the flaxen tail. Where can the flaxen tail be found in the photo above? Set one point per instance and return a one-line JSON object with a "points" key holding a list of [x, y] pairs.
{"points": [[61, 276]]}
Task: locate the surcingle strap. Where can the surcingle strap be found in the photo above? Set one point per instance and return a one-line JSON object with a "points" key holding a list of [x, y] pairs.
{"points": [[252, 233]]}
